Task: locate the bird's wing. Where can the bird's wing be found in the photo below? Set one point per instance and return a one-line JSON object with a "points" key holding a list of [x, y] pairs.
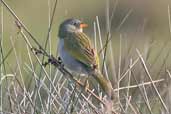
{"points": [[79, 46]]}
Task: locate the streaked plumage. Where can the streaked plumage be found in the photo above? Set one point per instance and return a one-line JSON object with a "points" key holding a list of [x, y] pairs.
{"points": [[83, 50]]}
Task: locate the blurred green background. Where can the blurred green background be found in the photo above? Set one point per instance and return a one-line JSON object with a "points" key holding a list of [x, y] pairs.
{"points": [[34, 14]]}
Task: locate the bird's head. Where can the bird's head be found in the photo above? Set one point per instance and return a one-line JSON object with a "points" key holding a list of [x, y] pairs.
{"points": [[70, 26]]}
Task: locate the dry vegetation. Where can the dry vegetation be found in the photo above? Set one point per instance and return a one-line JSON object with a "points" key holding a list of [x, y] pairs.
{"points": [[142, 85]]}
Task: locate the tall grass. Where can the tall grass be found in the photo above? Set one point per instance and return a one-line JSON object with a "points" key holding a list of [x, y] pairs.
{"points": [[30, 87]]}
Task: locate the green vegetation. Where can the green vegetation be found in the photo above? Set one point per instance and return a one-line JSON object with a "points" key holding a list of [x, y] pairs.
{"points": [[134, 38]]}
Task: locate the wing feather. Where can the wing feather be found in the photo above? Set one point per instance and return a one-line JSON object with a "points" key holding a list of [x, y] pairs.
{"points": [[79, 46]]}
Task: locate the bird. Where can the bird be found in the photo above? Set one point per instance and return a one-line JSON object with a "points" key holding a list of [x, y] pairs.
{"points": [[78, 54]]}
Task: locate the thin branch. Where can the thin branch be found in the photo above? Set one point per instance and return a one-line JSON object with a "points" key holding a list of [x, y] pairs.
{"points": [[139, 85], [149, 76]]}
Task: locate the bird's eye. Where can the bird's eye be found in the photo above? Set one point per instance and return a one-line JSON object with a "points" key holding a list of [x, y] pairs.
{"points": [[75, 23]]}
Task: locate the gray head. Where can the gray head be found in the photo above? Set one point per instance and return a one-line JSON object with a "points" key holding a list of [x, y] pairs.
{"points": [[70, 26]]}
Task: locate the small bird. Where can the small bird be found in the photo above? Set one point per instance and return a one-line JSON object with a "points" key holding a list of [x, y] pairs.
{"points": [[77, 52]]}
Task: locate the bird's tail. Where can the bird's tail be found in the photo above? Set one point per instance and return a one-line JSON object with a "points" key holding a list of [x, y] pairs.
{"points": [[107, 88], [104, 83]]}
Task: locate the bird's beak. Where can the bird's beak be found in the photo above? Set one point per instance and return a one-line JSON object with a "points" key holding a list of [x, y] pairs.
{"points": [[83, 25]]}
